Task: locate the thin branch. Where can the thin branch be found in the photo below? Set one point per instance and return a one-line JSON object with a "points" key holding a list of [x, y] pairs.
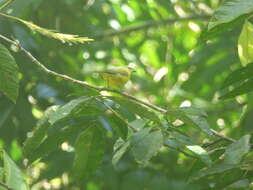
{"points": [[5, 186], [6, 4], [83, 83], [216, 149], [181, 151], [148, 24], [216, 133]]}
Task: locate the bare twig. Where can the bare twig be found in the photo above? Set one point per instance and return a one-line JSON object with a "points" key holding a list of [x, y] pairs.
{"points": [[5, 186], [148, 24], [216, 133]]}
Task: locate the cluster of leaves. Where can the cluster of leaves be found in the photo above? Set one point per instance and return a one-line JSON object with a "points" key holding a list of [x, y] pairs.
{"points": [[82, 131]]}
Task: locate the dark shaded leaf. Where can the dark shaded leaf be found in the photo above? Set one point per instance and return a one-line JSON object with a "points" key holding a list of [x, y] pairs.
{"points": [[9, 82], [241, 89], [218, 168], [137, 108], [193, 147], [239, 75], [235, 152], [145, 144], [89, 151]]}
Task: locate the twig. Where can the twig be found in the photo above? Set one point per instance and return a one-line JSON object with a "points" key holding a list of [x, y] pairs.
{"points": [[5, 186], [223, 136], [6, 4], [83, 83], [148, 24], [216, 149], [181, 151]]}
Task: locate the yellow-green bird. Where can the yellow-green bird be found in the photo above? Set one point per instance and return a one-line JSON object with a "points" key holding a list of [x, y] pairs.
{"points": [[117, 77]]}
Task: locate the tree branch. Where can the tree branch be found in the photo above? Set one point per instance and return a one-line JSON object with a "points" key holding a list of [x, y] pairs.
{"points": [[87, 85], [148, 24], [6, 4], [83, 83], [5, 186]]}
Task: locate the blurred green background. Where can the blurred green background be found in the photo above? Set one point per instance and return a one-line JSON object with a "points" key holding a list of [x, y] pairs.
{"points": [[174, 68]]}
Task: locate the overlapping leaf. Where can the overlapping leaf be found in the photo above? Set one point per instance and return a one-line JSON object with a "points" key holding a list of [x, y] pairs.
{"points": [[89, 151], [9, 82]]}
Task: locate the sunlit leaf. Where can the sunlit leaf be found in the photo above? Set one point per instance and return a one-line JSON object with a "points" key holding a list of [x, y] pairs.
{"points": [[235, 152], [119, 149], [245, 44], [229, 11], [13, 175], [67, 109], [9, 82], [89, 151], [146, 144]]}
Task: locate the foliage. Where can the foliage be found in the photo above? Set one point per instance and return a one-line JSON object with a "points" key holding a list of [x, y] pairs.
{"points": [[184, 121]]}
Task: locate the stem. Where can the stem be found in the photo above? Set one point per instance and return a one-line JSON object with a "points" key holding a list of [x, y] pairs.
{"points": [[149, 24], [6, 4], [87, 85]]}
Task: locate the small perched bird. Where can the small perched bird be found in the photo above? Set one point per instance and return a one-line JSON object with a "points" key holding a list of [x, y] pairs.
{"points": [[117, 77]]}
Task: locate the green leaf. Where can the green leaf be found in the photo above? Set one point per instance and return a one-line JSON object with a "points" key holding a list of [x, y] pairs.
{"points": [[241, 89], [242, 183], [89, 151], [38, 134], [119, 149], [69, 108], [194, 118], [193, 147], [137, 108], [239, 75], [146, 144], [53, 141], [245, 44], [13, 175], [9, 82], [218, 168], [138, 123], [235, 152], [192, 111], [229, 11]]}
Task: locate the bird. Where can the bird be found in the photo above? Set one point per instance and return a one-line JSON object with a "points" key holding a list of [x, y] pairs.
{"points": [[117, 77]]}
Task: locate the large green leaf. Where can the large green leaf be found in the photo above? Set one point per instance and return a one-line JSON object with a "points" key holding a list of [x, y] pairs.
{"points": [[13, 175], [235, 152], [239, 75], [229, 11], [137, 108], [146, 144], [193, 147], [67, 109], [191, 116], [38, 134], [245, 44], [218, 168], [119, 149], [9, 82], [243, 88], [89, 151], [242, 183]]}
